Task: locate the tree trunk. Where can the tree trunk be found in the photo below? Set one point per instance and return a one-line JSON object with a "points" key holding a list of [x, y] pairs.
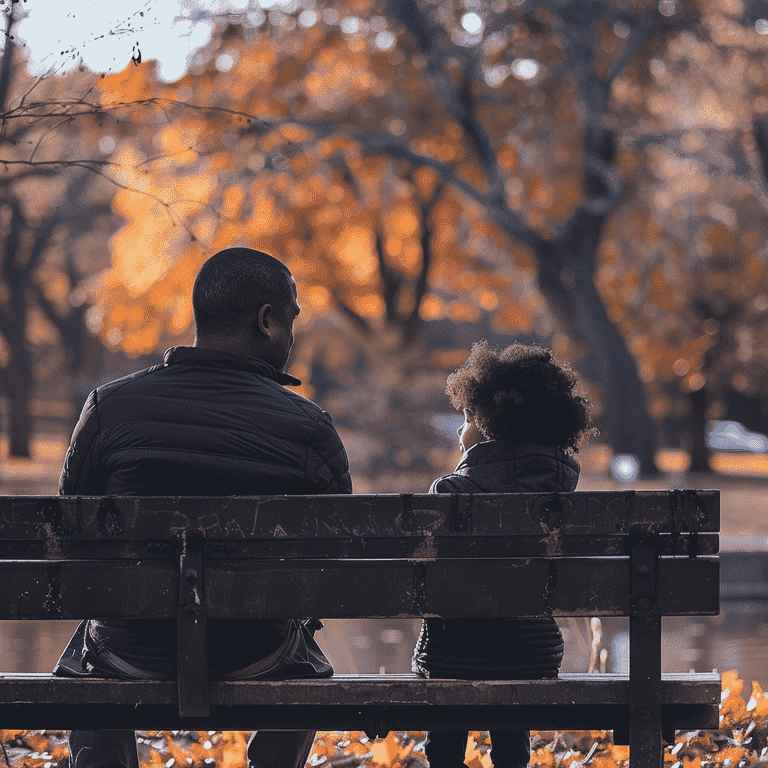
{"points": [[20, 385], [697, 441], [566, 278], [577, 303]]}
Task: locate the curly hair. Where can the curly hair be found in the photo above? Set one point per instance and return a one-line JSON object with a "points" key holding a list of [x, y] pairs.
{"points": [[520, 393]]}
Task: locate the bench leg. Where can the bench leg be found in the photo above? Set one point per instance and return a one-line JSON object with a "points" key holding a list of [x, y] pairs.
{"points": [[645, 747], [645, 744], [645, 728]]}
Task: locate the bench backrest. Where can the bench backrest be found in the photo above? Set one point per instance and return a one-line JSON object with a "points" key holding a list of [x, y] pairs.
{"points": [[481, 555]]}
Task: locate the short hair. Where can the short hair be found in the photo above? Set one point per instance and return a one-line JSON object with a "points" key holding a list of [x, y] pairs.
{"points": [[520, 393], [235, 283]]}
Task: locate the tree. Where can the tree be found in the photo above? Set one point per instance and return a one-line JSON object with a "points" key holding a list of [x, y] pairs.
{"points": [[693, 301], [528, 116], [328, 91], [44, 210]]}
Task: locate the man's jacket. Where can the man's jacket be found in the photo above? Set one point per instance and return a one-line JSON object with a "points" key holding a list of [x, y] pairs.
{"points": [[202, 423]]}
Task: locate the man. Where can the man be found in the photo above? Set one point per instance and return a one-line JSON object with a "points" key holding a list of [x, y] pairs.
{"points": [[214, 419]]}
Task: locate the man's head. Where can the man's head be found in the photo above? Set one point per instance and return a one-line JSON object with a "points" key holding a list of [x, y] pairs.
{"points": [[245, 301]]}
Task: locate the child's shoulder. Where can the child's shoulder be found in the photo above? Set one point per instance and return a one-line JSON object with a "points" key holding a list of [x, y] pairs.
{"points": [[455, 483]]}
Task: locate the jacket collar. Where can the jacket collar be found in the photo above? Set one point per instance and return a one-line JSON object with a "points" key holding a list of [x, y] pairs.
{"points": [[215, 359], [494, 451]]}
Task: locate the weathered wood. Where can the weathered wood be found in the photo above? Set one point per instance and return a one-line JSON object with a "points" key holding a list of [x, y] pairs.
{"points": [[360, 690], [355, 588], [645, 720], [397, 702], [192, 629], [273, 517], [412, 546]]}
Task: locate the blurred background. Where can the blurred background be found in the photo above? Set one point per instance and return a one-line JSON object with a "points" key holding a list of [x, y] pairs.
{"points": [[589, 175]]}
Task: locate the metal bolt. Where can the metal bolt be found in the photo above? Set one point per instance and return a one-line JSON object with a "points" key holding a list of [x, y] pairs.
{"points": [[190, 575], [644, 602], [643, 571], [644, 714]]}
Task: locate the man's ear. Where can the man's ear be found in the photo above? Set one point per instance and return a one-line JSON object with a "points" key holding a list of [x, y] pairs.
{"points": [[263, 322]]}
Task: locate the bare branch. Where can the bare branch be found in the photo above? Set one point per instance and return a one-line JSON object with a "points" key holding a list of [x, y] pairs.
{"points": [[386, 143], [426, 209], [50, 130], [640, 27], [358, 320], [458, 102], [496, 209], [93, 167], [39, 173]]}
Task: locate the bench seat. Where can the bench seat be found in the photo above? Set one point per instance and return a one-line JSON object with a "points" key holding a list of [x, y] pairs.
{"points": [[392, 702]]}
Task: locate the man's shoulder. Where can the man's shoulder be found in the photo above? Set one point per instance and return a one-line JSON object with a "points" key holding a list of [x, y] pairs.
{"points": [[163, 380], [304, 404], [104, 390]]}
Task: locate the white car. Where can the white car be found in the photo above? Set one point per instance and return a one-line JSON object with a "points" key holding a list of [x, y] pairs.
{"points": [[732, 436]]}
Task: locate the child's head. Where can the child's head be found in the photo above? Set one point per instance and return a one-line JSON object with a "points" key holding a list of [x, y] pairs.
{"points": [[520, 394]]}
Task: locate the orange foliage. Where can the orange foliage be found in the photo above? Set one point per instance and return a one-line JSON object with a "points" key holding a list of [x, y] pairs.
{"points": [[131, 84], [360, 228], [317, 201], [515, 317]]}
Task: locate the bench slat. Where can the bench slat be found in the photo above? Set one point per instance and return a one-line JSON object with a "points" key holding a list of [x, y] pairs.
{"points": [[393, 702], [607, 688], [416, 545], [270, 517], [355, 588]]}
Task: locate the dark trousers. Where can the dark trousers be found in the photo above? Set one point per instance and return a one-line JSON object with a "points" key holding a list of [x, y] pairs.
{"points": [[117, 749], [509, 749]]}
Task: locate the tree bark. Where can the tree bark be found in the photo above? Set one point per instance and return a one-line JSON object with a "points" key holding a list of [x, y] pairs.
{"points": [[697, 441], [20, 386], [566, 279]]}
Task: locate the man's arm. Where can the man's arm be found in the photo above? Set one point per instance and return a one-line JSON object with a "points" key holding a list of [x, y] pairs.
{"points": [[80, 475]]}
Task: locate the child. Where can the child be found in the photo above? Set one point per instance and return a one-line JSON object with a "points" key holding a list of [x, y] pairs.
{"points": [[522, 422]]}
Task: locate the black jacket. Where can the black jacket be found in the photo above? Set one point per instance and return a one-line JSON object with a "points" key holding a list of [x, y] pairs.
{"points": [[202, 423], [504, 649]]}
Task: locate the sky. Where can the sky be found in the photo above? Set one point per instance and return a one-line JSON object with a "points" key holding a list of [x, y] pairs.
{"points": [[105, 34]]}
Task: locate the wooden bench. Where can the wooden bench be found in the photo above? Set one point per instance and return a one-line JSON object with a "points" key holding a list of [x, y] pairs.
{"points": [[638, 554]]}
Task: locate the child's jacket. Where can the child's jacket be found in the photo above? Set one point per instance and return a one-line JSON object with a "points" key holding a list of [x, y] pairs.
{"points": [[502, 649]]}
